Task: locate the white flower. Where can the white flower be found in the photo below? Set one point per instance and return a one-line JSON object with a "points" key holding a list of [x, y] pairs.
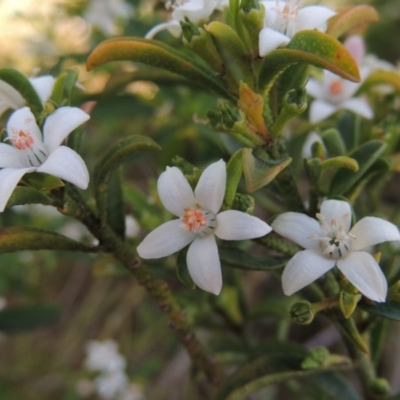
{"points": [[283, 19], [198, 224], [111, 384], [328, 242], [334, 93], [30, 150], [195, 10], [11, 98], [104, 356]]}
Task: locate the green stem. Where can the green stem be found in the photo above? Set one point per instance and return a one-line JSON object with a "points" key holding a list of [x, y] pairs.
{"points": [[157, 289]]}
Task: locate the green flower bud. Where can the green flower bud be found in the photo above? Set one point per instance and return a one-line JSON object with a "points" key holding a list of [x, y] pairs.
{"points": [[243, 202], [302, 312], [379, 387]]}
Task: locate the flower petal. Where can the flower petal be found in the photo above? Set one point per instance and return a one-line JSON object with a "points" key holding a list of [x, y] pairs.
{"points": [[9, 97], [172, 26], [9, 156], [336, 209], [9, 178], [60, 123], [271, 14], [269, 40], [237, 225], [195, 10], [67, 164], [298, 228], [319, 110], [210, 189], [203, 264], [305, 267], [361, 269], [43, 86], [167, 239], [314, 89], [370, 231], [356, 46], [360, 106], [23, 120], [314, 17], [174, 191]]}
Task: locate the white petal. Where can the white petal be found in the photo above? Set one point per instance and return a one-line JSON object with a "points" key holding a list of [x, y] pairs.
{"points": [[67, 164], [336, 209], [173, 27], [9, 156], [305, 267], [370, 231], [167, 239], [270, 12], [356, 46], [9, 178], [298, 228], [195, 10], [203, 264], [24, 120], [359, 106], [237, 225], [314, 17], [314, 89], [364, 273], [175, 192], [10, 98], [210, 189], [60, 124], [319, 110], [270, 39], [43, 86]]}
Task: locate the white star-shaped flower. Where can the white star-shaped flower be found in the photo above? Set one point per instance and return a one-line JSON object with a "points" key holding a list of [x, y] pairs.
{"points": [[283, 19], [195, 10], [199, 222], [11, 98], [329, 242], [30, 150]]}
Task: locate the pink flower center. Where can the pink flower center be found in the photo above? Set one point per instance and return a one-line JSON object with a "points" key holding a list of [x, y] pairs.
{"points": [[198, 220], [336, 88], [286, 17], [22, 140]]}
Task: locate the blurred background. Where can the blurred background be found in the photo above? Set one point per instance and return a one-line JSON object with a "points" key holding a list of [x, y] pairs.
{"points": [[55, 305]]}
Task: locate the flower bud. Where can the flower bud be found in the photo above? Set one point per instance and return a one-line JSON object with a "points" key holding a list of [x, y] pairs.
{"points": [[379, 387], [302, 312], [243, 202]]}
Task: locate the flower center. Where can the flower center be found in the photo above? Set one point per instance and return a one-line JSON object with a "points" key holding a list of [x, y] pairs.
{"points": [[21, 140], [336, 242], [199, 220], [336, 88], [286, 16]]}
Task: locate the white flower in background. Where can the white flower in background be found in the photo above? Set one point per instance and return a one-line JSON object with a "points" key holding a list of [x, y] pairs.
{"points": [[222, 4], [334, 93], [111, 385], [104, 14], [10, 98], [198, 224], [104, 356], [283, 19], [30, 150], [132, 227], [311, 138], [195, 10], [329, 242]]}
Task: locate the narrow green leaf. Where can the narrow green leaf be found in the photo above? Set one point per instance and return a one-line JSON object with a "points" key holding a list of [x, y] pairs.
{"points": [[390, 309], [64, 86], [26, 195], [333, 142], [115, 204], [311, 47], [42, 181], [22, 85], [16, 239], [382, 77], [234, 171], [236, 258], [157, 54], [365, 155], [340, 162]]}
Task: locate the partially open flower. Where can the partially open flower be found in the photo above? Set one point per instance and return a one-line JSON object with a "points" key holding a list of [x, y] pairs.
{"points": [[199, 222], [329, 242], [31, 150], [283, 19]]}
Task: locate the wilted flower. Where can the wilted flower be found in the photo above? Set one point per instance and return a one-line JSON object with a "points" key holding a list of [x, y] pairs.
{"points": [[329, 242], [283, 19], [31, 151], [198, 224]]}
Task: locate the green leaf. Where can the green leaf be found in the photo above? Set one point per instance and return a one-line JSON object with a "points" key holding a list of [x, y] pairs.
{"points": [[349, 18], [115, 204], [380, 77], [333, 142], [390, 309], [234, 171], [26, 195], [22, 85], [42, 181], [236, 258], [16, 239], [114, 158], [157, 54], [340, 162], [365, 155], [64, 86], [27, 318], [258, 171], [311, 47]]}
